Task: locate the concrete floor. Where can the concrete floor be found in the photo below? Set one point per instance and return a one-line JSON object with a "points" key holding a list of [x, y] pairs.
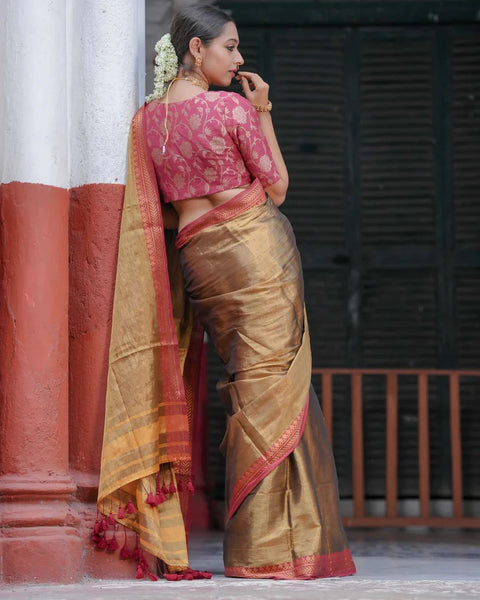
{"points": [[390, 565]]}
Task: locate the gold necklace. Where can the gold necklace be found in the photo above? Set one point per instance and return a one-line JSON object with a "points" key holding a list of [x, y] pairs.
{"points": [[195, 80]]}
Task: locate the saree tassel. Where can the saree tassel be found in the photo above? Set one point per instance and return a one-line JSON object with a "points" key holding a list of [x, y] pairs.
{"points": [[121, 513], [180, 486], [142, 564], [151, 499], [111, 519], [140, 573], [187, 575], [192, 574], [172, 576], [164, 489], [97, 528], [160, 497], [190, 487], [113, 545], [137, 553], [104, 524], [102, 543], [125, 552], [130, 508], [96, 537], [172, 489]]}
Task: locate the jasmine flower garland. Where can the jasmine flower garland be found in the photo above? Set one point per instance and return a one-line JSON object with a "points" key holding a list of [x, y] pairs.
{"points": [[166, 67]]}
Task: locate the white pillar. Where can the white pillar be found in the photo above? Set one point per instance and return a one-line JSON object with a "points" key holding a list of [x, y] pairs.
{"points": [[33, 109], [105, 85]]}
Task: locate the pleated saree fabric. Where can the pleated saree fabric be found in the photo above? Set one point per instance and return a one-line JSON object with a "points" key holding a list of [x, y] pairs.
{"points": [[244, 280]]}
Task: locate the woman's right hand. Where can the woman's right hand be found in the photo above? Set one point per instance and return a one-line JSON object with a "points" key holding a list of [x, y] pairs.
{"points": [[255, 89]]}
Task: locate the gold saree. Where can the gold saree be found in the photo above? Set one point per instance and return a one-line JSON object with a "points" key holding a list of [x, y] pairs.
{"points": [[244, 280], [242, 275]]}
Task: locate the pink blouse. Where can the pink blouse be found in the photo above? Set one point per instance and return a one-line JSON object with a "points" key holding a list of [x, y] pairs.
{"points": [[215, 143]]}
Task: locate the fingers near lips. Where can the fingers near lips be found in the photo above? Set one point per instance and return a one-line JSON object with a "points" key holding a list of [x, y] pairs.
{"points": [[246, 79]]}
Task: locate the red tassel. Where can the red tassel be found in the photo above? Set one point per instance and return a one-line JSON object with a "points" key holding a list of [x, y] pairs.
{"points": [[113, 544], [137, 553], [96, 537], [151, 499], [130, 508], [172, 576], [192, 574], [140, 574], [97, 527], [160, 497], [172, 489], [125, 553], [164, 489], [190, 487], [102, 543], [111, 519], [152, 576], [180, 486], [120, 514], [104, 524]]}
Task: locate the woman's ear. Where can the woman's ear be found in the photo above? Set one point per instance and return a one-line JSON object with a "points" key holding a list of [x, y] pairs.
{"points": [[195, 46]]}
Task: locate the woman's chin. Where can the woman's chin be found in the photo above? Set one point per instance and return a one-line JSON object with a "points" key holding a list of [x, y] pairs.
{"points": [[222, 82]]}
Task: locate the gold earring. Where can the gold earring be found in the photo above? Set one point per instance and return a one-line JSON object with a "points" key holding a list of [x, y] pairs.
{"points": [[198, 60]]}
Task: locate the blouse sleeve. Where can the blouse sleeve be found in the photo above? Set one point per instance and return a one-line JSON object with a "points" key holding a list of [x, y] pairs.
{"points": [[243, 126]]}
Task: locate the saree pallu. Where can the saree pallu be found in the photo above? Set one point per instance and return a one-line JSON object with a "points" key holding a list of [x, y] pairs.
{"points": [[243, 277], [146, 469]]}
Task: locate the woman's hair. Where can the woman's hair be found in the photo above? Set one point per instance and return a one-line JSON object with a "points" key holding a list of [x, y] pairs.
{"points": [[199, 20]]}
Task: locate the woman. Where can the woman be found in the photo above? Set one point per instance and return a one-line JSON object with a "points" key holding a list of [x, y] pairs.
{"points": [[211, 161]]}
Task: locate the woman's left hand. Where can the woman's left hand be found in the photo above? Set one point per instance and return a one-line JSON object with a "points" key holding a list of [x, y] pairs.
{"points": [[254, 88]]}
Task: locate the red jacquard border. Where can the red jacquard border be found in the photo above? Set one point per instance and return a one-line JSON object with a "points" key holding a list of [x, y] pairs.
{"points": [[285, 444], [337, 564], [244, 200]]}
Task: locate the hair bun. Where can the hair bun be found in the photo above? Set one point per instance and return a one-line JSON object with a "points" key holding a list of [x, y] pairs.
{"points": [[166, 66]]}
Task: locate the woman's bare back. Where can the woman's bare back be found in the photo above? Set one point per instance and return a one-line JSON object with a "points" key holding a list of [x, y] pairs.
{"points": [[193, 208]]}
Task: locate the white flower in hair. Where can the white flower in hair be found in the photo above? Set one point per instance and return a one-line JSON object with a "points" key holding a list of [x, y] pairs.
{"points": [[166, 67]]}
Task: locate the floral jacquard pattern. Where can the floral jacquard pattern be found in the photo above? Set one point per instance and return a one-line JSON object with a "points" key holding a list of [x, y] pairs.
{"points": [[215, 143]]}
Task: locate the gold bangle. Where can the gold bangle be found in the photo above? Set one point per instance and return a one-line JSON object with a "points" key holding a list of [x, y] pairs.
{"points": [[263, 107]]}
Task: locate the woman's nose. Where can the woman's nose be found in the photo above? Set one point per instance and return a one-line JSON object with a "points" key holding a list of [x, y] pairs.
{"points": [[239, 60]]}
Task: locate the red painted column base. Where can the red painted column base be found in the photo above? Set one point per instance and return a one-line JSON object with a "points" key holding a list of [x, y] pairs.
{"points": [[39, 540], [40, 555]]}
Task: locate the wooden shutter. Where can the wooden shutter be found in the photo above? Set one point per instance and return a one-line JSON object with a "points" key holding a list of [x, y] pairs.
{"points": [[465, 120]]}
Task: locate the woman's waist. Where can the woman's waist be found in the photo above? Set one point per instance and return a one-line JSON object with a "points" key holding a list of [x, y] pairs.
{"points": [[194, 208], [240, 201]]}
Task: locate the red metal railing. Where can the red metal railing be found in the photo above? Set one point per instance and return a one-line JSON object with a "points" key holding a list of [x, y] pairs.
{"points": [[360, 518]]}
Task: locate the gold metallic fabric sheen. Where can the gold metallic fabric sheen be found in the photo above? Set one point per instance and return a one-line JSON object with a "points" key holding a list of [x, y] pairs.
{"points": [[244, 280]]}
